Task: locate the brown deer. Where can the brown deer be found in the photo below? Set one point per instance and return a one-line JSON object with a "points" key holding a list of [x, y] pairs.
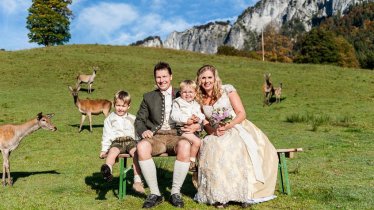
{"points": [[11, 135], [90, 107], [278, 93], [88, 79], [267, 89]]}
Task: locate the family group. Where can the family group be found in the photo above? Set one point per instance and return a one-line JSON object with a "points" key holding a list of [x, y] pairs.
{"points": [[235, 161]]}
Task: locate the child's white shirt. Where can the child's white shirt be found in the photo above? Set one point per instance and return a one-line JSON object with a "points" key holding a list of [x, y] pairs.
{"points": [[117, 126], [183, 110]]}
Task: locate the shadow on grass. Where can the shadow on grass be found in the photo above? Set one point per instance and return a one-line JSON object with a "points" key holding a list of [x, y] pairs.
{"points": [[86, 90], [164, 178], [16, 175], [87, 127]]}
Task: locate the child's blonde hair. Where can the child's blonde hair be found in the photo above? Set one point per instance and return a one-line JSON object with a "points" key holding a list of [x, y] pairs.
{"points": [[189, 83], [122, 95]]}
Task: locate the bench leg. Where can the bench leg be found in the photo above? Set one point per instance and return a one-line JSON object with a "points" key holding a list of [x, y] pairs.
{"points": [[284, 183], [122, 178], [123, 169]]}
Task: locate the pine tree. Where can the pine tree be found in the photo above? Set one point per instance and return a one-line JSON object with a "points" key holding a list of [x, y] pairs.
{"points": [[49, 22]]}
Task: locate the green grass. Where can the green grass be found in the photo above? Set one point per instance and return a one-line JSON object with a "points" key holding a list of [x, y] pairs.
{"points": [[326, 110]]}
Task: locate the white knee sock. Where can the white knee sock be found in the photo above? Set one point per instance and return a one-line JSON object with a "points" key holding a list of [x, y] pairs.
{"points": [[179, 175], [137, 178], [149, 172]]}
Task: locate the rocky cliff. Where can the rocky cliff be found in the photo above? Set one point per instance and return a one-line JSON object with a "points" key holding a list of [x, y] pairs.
{"points": [[207, 38], [279, 12], [204, 38], [151, 41]]}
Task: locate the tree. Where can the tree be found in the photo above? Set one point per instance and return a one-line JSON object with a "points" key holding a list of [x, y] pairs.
{"points": [[49, 22], [318, 46]]}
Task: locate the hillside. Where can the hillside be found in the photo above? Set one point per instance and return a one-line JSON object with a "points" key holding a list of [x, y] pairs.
{"points": [[326, 110]]}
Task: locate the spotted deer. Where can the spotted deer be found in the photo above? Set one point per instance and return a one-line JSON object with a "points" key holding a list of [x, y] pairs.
{"points": [[88, 79], [11, 136], [267, 89], [278, 93], [90, 107]]}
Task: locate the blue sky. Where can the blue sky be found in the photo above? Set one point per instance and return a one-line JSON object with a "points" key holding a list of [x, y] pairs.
{"points": [[119, 22]]}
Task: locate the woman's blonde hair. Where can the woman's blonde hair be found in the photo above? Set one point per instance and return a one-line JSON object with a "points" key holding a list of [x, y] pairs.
{"points": [[122, 95], [200, 92]]}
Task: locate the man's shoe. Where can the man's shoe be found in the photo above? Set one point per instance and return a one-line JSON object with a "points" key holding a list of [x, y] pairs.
{"points": [[176, 200], [152, 200], [107, 174], [138, 187]]}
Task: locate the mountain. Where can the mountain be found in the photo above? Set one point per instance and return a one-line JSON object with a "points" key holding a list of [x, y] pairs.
{"points": [[207, 38]]}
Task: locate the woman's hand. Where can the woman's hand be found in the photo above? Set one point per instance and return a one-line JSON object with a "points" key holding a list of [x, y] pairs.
{"points": [[221, 129]]}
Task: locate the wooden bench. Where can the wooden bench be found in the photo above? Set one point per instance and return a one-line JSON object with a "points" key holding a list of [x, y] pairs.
{"points": [[284, 183]]}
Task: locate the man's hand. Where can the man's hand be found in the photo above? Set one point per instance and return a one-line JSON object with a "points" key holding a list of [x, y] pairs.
{"points": [[147, 134], [191, 128]]}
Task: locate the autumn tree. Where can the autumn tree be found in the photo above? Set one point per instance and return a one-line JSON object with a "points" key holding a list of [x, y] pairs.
{"points": [[49, 21]]}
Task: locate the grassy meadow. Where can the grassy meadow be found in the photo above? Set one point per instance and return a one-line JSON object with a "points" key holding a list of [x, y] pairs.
{"points": [[326, 110]]}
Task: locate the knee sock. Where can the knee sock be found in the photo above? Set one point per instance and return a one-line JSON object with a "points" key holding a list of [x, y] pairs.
{"points": [[149, 172], [137, 178], [179, 175]]}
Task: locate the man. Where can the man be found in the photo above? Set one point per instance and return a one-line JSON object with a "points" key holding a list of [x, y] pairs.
{"points": [[158, 133]]}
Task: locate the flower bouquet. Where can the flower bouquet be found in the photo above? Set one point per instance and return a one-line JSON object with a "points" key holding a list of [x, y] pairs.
{"points": [[220, 117]]}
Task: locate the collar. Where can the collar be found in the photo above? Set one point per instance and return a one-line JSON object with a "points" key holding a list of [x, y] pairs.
{"points": [[169, 91]]}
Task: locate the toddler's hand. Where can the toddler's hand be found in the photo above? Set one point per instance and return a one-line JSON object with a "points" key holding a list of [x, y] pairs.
{"points": [[102, 155], [195, 118], [190, 121]]}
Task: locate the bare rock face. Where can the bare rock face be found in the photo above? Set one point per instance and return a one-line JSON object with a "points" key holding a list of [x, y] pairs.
{"points": [[279, 12], [207, 38], [151, 41], [204, 38]]}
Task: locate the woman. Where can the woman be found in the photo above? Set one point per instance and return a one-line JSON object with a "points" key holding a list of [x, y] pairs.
{"points": [[237, 161]]}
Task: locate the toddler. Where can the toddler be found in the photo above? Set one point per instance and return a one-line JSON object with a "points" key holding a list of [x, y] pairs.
{"points": [[119, 137], [187, 111]]}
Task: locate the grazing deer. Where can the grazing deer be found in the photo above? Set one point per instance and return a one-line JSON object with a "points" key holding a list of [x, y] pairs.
{"points": [[11, 136], [90, 107], [278, 93], [267, 89], [89, 79]]}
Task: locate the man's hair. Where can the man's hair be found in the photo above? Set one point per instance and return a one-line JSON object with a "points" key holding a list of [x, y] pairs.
{"points": [[160, 66], [189, 83], [122, 95]]}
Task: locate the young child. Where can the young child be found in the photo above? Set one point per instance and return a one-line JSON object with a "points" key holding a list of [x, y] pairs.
{"points": [[187, 111], [119, 137]]}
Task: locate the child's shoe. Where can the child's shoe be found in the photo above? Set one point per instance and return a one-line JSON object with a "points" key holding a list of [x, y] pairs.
{"points": [[138, 187], [193, 167], [107, 174]]}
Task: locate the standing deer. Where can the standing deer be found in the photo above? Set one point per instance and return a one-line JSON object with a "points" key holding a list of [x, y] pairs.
{"points": [[90, 107], [278, 93], [89, 79], [267, 89], [11, 135]]}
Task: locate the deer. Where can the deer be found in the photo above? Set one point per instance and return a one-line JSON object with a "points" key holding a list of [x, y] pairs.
{"points": [[89, 107], [278, 93], [88, 79], [11, 136], [267, 89]]}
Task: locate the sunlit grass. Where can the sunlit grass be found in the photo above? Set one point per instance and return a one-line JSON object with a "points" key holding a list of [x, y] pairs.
{"points": [[326, 110]]}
